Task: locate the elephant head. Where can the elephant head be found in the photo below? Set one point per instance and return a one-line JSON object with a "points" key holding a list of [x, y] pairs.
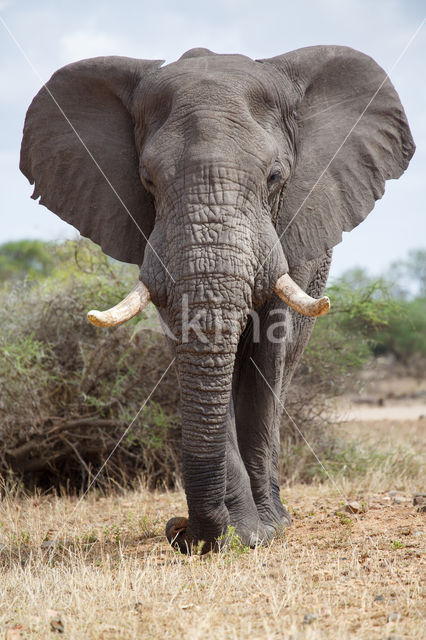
{"points": [[219, 175]]}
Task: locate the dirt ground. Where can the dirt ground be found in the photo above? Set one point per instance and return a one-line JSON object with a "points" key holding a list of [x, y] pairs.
{"points": [[388, 392], [100, 568]]}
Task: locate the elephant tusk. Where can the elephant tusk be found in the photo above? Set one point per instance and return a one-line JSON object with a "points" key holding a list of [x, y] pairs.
{"points": [[297, 299], [132, 304]]}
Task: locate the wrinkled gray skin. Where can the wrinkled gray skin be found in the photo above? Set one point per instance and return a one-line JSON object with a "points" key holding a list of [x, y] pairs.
{"points": [[238, 171]]}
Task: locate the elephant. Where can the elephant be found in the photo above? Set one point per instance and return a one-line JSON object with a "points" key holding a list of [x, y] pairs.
{"points": [[228, 181]]}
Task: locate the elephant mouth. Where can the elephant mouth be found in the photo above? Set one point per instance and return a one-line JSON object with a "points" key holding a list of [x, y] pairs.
{"points": [[139, 298]]}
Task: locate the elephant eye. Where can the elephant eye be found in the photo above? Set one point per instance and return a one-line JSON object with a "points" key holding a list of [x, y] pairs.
{"points": [[275, 176]]}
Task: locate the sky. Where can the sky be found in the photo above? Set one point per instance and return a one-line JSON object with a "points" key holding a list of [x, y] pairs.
{"points": [[39, 36]]}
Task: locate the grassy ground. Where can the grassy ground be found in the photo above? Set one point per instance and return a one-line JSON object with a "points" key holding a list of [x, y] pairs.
{"points": [[101, 569]]}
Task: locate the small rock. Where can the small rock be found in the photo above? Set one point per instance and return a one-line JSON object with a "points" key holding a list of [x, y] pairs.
{"points": [[421, 509], [392, 493], [55, 621], [345, 572], [309, 618], [50, 544], [393, 617], [379, 598], [14, 633], [353, 507], [397, 501], [419, 498]]}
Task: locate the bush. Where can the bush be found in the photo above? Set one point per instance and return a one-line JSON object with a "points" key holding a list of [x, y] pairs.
{"points": [[26, 259], [342, 344], [404, 336], [69, 390]]}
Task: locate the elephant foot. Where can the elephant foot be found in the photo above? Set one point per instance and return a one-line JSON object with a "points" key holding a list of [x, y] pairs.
{"points": [[274, 517], [283, 514], [176, 533], [247, 530]]}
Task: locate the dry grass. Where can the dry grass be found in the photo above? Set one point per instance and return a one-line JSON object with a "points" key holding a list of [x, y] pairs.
{"points": [[104, 565]]}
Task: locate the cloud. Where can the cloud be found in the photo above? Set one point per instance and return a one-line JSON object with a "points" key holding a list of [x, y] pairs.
{"points": [[89, 43], [21, 216]]}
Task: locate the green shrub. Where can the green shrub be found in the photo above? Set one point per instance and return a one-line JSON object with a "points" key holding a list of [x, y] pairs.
{"points": [[405, 334], [69, 390], [26, 259], [342, 343]]}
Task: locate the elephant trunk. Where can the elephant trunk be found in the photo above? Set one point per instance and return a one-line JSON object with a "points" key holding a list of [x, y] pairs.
{"points": [[205, 355]]}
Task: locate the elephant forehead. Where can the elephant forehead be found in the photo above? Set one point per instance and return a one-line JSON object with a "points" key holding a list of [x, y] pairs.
{"points": [[222, 107], [227, 80], [224, 65]]}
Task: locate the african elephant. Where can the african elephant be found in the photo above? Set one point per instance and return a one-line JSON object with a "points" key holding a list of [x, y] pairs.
{"points": [[228, 180]]}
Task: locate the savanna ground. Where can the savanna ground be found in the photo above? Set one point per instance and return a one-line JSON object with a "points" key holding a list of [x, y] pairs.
{"points": [[100, 567]]}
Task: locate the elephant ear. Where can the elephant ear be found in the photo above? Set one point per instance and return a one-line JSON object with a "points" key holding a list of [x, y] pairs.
{"points": [[79, 151], [352, 136]]}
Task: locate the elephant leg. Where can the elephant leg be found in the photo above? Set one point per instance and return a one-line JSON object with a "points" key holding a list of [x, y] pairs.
{"points": [[258, 383], [243, 512], [268, 356], [239, 500]]}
